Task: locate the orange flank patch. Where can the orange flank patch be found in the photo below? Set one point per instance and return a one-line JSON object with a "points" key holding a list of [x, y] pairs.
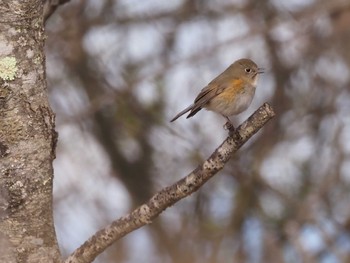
{"points": [[235, 87]]}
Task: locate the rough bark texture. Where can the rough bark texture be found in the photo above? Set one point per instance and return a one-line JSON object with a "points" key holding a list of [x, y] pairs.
{"points": [[168, 196], [27, 138]]}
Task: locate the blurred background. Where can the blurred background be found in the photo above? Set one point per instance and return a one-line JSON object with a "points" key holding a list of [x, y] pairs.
{"points": [[119, 70]]}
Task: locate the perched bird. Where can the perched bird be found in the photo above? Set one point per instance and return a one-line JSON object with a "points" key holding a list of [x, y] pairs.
{"points": [[228, 94]]}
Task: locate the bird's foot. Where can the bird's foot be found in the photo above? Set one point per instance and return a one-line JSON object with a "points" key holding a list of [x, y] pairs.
{"points": [[229, 126]]}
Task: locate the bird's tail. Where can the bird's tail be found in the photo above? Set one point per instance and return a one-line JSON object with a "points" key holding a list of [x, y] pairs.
{"points": [[182, 112]]}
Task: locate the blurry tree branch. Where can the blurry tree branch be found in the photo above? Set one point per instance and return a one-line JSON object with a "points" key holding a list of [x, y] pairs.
{"points": [[50, 7], [170, 195]]}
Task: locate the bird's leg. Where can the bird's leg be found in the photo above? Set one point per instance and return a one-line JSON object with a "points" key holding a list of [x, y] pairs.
{"points": [[228, 125]]}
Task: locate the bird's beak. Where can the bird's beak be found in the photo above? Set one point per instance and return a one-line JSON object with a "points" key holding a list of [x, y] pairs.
{"points": [[261, 70]]}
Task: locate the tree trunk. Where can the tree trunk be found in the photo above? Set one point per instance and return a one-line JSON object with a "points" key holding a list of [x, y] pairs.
{"points": [[27, 138]]}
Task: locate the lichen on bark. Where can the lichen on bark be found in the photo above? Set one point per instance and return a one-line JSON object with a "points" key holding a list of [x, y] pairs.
{"points": [[8, 68]]}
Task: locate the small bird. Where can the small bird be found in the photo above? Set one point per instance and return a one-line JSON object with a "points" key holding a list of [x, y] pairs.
{"points": [[228, 94]]}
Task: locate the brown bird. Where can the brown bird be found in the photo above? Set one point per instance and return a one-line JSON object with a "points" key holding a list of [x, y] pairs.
{"points": [[228, 94]]}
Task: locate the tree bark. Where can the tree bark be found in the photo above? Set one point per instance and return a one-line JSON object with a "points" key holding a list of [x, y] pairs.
{"points": [[27, 138]]}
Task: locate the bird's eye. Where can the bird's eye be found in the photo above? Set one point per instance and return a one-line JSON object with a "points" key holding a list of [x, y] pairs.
{"points": [[248, 70]]}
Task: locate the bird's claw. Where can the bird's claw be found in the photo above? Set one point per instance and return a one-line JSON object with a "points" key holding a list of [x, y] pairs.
{"points": [[229, 126]]}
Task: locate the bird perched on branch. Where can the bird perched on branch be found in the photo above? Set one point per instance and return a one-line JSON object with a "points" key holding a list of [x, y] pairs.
{"points": [[228, 94]]}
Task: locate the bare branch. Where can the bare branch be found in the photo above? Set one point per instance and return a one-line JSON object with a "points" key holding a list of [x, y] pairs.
{"points": [[170, 195], [50, 7]]}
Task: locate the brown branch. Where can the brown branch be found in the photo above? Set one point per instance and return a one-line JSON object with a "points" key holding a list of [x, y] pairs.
{"points": [[50, 7], [168, 196]]}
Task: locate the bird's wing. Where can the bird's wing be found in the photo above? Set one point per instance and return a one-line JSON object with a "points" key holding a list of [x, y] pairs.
{"points": [[209, 92]]}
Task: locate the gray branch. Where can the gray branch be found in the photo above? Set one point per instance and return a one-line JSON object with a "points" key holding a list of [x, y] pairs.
{"points": [[168, 196]]}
